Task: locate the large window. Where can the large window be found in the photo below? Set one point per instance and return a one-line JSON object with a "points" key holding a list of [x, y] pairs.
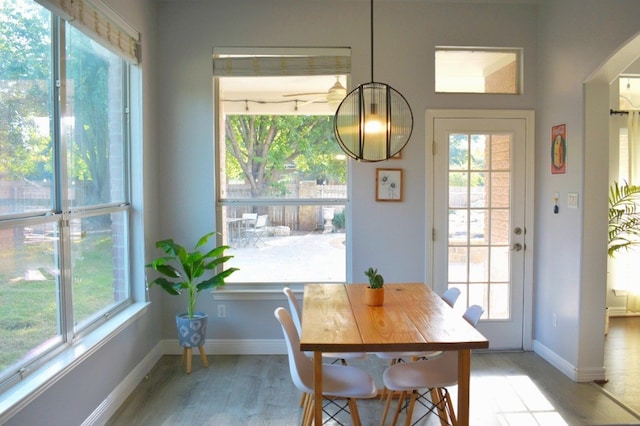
{"points": [[64, 198], [282, 178]]}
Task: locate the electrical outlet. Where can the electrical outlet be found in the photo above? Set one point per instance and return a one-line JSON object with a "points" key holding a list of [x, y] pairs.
{"points": [[222, 311]]}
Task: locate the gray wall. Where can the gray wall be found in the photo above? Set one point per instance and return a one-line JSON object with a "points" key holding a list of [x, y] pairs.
{"points": [[576, 37], [403, 59], [568, 38]]}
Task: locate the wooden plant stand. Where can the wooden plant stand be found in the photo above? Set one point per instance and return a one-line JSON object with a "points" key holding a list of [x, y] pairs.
{"points": [[186, 357]]}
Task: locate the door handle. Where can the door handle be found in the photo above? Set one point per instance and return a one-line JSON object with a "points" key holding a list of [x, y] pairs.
{"points": [[516, 247]]}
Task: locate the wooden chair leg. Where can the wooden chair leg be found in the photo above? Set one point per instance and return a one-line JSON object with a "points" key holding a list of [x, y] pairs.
{"points": [[386, 408], [412, 404], [438, 400], [203, 356], [355, 416], [403, 394], [450, 411], [307, 412]]}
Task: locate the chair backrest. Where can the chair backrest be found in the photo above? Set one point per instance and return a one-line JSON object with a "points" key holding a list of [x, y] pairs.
{"points": [[261, 221], [451, 295], [300, 367], [294, 308], [250, 219], [473, 314]]}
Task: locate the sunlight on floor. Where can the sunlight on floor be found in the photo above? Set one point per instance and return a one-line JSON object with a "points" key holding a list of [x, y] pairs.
{"points": [[513, 400]]}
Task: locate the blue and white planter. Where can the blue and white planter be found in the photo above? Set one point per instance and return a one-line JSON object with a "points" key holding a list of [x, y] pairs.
{"points": [[192, 331]]}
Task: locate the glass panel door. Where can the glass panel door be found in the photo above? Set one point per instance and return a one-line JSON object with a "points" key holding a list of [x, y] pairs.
{"points": [[479, 233]]}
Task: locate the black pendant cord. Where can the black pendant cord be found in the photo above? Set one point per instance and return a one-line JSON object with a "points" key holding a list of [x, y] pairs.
{"points": [[372, 41]]}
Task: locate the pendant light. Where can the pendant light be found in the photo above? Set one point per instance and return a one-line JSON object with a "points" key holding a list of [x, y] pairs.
{"points": [[374, 121]]}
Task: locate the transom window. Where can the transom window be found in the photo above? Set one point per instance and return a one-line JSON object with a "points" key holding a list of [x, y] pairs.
{"points": [[282, 178], [478, 70]]}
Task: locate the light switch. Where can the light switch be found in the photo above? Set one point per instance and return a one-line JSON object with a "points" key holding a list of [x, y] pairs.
{"points": [[572, 200]]}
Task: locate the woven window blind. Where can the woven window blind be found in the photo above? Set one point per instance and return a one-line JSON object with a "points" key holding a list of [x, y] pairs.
{"points": [[266, 62], [100, 22]]}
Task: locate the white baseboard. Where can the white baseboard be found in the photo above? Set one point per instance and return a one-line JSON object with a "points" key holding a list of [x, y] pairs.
{"points": [[622, 312], [565, 367], [116, 398]]}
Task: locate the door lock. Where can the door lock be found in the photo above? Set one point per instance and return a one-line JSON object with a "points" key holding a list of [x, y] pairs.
{"points": [[517, 247]]}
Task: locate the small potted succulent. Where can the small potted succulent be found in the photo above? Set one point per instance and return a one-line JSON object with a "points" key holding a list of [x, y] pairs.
{"points": [[374, 294]]}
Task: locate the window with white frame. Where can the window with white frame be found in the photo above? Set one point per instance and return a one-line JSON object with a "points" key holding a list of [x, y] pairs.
{"points": [[478, 70], [282, 178], [64, 191]]}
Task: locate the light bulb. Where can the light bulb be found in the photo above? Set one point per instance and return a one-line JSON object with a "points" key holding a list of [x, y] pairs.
{"points": [[373, 125]]}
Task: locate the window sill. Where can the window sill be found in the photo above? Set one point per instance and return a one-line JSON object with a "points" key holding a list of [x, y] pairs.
{"points": [[254, 291], [21, 394]]}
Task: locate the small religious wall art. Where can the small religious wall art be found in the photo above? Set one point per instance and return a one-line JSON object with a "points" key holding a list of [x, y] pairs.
{"points": [[559, 149], [388, 184]]}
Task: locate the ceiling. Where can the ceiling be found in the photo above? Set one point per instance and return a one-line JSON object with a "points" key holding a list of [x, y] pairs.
{"points": [[273, 94]]}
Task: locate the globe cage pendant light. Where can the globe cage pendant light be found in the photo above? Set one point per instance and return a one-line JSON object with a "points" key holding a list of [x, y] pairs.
{"points": [[374, 121]]}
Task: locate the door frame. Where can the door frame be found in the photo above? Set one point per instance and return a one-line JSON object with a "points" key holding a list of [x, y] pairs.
{"points": [[529, 116]]}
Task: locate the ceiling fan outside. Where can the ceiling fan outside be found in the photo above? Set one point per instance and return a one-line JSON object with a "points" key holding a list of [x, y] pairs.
{"points": [[333, 96]]}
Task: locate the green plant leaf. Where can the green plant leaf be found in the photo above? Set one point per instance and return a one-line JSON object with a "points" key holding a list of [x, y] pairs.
{"points": [[187, 268], [624, 217], [217, 280], [168, 286]]}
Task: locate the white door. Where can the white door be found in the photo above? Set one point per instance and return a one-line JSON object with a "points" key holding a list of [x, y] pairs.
{"points": [[479, 208]]}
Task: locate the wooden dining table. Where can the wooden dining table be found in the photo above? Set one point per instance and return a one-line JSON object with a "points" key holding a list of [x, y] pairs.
{"points": [[413, 318]]}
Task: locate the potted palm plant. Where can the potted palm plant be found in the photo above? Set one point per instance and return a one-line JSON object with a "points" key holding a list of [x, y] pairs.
{"points": [[374, 294], [183, 271]]}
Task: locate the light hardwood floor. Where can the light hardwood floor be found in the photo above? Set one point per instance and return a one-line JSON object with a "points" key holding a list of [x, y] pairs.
{"points": [[622, 360], [506, 389]]}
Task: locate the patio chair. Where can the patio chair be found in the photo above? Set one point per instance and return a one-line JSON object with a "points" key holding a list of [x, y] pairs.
{"points": [[254, 232], [340, 383]]}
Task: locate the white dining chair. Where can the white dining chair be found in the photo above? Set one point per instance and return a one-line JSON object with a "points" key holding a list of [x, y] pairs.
{"points": [[339, 382], [450, 296], [296, 314], [435, 375]]}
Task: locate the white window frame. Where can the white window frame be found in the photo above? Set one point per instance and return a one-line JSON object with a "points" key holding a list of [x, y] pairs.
{"points": [[228, 61], [19, 388]]}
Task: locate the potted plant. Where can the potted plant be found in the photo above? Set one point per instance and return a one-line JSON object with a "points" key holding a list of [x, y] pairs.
{"points": [[184, 271], [374, 294]]}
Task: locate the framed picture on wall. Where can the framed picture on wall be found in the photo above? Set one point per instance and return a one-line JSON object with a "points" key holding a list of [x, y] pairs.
{"points": [[559, 149], [388, 184]]}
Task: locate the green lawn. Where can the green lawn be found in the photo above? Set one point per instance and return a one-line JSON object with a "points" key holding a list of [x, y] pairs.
{"points": [[29, 291]]}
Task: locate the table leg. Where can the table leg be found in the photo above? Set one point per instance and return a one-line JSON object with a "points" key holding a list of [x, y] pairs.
{"points": [[464, 378], [317, 387]]}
